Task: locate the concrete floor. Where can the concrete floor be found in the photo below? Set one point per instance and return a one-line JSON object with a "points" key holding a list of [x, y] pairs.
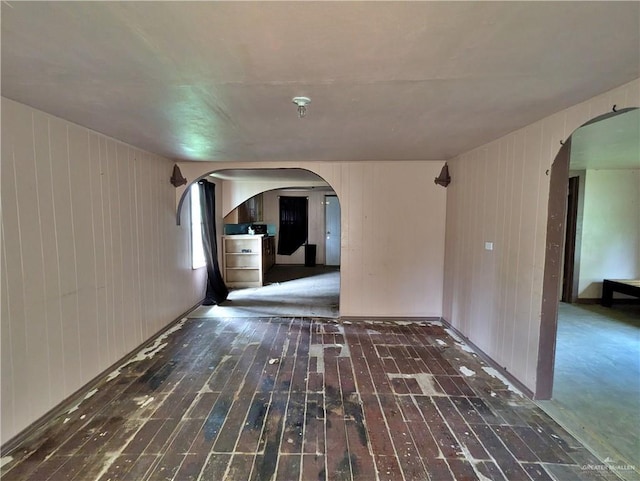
{"points": [[596, 393]]}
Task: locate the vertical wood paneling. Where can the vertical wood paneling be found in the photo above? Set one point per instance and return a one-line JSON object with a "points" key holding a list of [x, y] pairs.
{"points": [[471, 182], [501, 249], [81, 195], [32, 263], [157, 299], [7, 383], [129, 245], [393, 239], [107, 274], [138, 251], [522, 274], [12, 246], [92, 261], [145, 256], [65, 241], [49, 247], [354, 250], [114, 151], [515, 215], [392, 242], [509, 255], [493, 204], [8, 386], [123, 246], [99, 258], [532, 171]]}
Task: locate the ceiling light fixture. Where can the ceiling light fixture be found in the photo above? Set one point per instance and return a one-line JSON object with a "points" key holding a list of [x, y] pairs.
{"points": [[302, 103]]}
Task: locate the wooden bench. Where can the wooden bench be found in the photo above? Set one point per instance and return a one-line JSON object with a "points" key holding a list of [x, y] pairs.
{"points": [[630, 287]]}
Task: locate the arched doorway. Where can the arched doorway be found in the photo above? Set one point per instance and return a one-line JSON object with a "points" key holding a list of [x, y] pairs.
{"points": [[291, 284], [593, 397]]}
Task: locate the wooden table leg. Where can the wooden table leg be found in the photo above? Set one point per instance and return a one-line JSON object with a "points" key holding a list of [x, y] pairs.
{"points": [[607, 293]]}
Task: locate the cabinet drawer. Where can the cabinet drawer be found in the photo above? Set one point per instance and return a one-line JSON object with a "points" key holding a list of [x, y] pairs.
{"points": [[243, 276], [242, 261]]}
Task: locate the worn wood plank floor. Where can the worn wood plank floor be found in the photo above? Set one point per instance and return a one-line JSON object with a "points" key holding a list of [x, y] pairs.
{"points": [[302, 399]]}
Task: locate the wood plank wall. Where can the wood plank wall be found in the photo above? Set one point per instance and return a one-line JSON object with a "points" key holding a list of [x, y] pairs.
{"points": [[499, 193], [93, 263], [392, 231]]}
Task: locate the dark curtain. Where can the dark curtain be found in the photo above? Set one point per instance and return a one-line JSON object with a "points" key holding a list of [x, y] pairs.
{"points": [[293, 224], [217, 291]]}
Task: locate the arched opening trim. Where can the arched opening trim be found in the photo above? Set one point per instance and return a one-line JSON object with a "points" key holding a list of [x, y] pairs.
{"points": [[556, 220]]}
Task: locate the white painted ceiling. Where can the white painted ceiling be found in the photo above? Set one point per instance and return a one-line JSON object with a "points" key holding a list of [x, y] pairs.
{"points": [[388, 80], [613, 143], [267, 175]]}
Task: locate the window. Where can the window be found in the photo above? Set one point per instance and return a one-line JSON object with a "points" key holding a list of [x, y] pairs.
{"points": [[197, 251]]}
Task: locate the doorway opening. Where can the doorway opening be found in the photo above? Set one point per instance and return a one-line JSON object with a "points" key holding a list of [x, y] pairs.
{"points": [[332, 230], [300, 282], [572, 243], [591, 371]]}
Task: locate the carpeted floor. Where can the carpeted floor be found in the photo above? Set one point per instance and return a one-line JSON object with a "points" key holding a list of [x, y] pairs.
{"points": [[289, 291]]}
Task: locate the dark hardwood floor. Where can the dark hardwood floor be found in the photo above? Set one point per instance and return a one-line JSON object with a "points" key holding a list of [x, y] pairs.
{"points": [[306, 400]]}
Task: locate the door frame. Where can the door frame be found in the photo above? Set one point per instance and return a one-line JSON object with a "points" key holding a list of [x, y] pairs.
{"points": [[326, 227], [556, 218], [573, 237]]}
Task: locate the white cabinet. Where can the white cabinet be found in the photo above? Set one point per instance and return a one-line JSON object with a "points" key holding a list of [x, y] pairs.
{"points": [[245, 259]]}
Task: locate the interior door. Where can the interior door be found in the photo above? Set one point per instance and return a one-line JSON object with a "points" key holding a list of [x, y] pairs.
{"points": [[570, 241], [332, 230]]}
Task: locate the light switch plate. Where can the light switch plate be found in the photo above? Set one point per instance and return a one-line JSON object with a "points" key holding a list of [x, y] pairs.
{"points": [[488, 246]]}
